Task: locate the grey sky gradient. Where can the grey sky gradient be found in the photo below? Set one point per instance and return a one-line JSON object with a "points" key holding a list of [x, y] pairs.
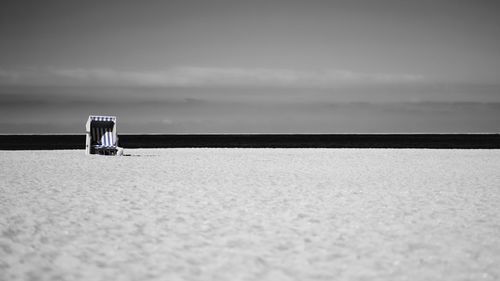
{"points": [[251, 66]]}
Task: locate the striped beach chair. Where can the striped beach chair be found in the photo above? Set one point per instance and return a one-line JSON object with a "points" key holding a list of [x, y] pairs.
{"points": [[101, 135]]}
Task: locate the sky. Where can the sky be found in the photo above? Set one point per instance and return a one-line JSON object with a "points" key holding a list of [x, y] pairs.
{"points": [[231, 66]]}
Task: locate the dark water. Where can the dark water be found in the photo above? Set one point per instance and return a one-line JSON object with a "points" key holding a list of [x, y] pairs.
{"points": [[34, 142]]}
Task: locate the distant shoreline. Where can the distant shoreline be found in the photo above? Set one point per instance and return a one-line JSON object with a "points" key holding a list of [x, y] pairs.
{"points": [[435, 141]]}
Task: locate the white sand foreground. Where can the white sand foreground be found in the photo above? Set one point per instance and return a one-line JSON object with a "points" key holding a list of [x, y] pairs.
{"points": [[250, 214]]}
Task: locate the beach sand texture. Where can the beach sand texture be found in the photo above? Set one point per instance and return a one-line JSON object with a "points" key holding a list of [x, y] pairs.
{"points": [[250, 214]]}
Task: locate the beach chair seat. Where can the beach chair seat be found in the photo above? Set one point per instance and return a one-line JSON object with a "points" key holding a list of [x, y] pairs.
{"points": [[105, 144]]}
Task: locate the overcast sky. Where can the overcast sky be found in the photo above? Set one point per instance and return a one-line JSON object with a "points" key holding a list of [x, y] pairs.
{"points": [[272, 66]]}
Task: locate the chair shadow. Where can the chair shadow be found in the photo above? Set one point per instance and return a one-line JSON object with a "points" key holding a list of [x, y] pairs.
{"points": [[139, 155]]}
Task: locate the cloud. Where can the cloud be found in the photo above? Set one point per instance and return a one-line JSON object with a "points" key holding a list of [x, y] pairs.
{"points": [[201, 77], [167, 121]]}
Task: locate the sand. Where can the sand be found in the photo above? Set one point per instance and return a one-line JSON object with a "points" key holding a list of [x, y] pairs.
{"points": [[250, 214]]}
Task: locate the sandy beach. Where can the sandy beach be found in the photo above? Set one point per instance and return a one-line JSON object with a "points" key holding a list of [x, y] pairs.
{"points": [[250, 214]]}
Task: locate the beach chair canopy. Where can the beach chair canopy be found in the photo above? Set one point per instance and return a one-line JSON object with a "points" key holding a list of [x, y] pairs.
{"points": [[101, 135]]}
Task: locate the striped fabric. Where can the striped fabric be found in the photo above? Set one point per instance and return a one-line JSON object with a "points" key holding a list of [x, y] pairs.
{"points": [[103, 118], [103, 136], [102, 131]]}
